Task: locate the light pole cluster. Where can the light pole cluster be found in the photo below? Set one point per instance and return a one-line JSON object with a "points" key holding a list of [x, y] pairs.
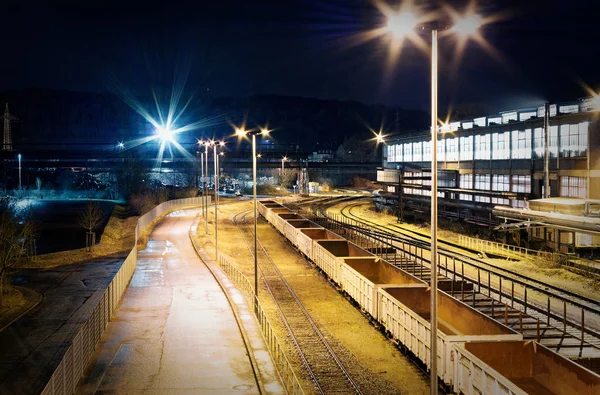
{"points": [[244, 133], [214, 144], [401, 25]]}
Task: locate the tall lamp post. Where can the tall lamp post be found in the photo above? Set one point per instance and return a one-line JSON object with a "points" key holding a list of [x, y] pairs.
{"points": [[403, 24], [283, 160], [216, 166], [254, 133], [19, 156]]}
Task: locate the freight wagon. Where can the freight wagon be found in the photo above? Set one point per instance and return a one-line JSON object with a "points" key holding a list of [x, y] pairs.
{"points": [[362, 277], [327, 255], [405, 312], [306, 237], [293, 227], [521, 367]]}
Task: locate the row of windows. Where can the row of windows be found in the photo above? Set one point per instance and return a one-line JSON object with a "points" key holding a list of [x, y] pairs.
{"points": [[517, 144], [496, 182], [575, 187]]}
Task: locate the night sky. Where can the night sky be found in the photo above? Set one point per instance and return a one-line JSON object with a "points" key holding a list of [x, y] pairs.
{"points": [[293, 47]]}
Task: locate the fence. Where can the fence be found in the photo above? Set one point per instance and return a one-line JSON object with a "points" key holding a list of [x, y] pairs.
{"points": [[506, 249], [74, 361], [282, 364]]}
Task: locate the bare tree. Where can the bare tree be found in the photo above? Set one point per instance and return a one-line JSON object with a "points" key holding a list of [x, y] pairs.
{"points": [[14, 237], [288, 178], [89, 218]]}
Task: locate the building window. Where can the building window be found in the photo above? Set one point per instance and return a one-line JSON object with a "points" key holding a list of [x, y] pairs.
{"points": [[518, 203], [452, 149], [391, 153], [553, 142], [521, 184], [466, 181], [417, 147], [482, 182], [521, 144], [573, 140], [482, 199], [407, 152], [573, 187], [466, 148], [501, 201], [500, 183], [391, 188], [441, 150], [500, 145], [465, 196], [398, 149], [427, 151], [538, 143], [482, 146]]}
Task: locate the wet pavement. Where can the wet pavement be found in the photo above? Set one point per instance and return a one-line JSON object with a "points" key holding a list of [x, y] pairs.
{"points": [[175, 332]]}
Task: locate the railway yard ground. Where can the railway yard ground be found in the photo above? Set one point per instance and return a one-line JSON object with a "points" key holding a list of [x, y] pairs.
{"points": [[374, 362]]}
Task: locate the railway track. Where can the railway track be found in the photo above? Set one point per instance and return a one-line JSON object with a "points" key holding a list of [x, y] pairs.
{"points": [[321, 363], [572, 338]]}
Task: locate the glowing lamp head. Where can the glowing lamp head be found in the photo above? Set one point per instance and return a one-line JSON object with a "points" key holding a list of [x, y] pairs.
{"points": [[121, 145], [468, 26], [380, 138], [264, 131], [284, 159], [222, 143], [240, 132], [401, 24], [165, 134], [259, 155]]}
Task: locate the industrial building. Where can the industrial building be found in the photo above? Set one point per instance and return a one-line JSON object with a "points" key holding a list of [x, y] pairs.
{"points": [[533, 174]]}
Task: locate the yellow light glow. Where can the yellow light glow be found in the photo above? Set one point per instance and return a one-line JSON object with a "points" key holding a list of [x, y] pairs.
{"points": [[264, 131], [402, 24], [468, 25], [240, 132]]}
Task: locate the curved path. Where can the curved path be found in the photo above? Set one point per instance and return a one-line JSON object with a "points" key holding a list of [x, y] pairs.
{"points": [[175, 331]]}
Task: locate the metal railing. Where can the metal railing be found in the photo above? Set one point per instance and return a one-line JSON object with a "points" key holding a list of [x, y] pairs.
{"points": [[284, 368], [506, 249], [74, 361]]}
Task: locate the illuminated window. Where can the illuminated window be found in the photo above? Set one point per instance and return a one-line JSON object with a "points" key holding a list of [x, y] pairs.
{"points": [[500, 183], [452, 149], [517, 203], [482, 146], [573, 140], [500, 145], [494, 120], [482, 182], [573, 187], [521, 144], [521, 184], [466, 181], [509, 116], [526, 115], [441, 150], [464, 196], [391, 153], [398, 152], [538, 143], [466, 148], [407, 152], [501, 201], [417, 148], [467, 125], [553, 141], [427, 151], [482, 199], [480, 121], [569, 109]]}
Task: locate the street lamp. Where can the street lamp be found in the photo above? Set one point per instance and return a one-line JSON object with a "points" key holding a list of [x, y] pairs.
{"points": [[254, 132], [401, 25]]}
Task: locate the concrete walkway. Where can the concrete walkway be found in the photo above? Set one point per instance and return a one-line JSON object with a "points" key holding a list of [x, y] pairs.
{"points": [[175, 332]]}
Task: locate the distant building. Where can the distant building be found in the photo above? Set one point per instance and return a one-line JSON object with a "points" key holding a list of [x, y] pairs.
{"points": [[7, 140], [494, 170], [324, 155]]}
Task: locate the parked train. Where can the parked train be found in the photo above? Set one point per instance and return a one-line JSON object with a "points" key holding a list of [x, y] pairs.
{"points": [[476, 354]]}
